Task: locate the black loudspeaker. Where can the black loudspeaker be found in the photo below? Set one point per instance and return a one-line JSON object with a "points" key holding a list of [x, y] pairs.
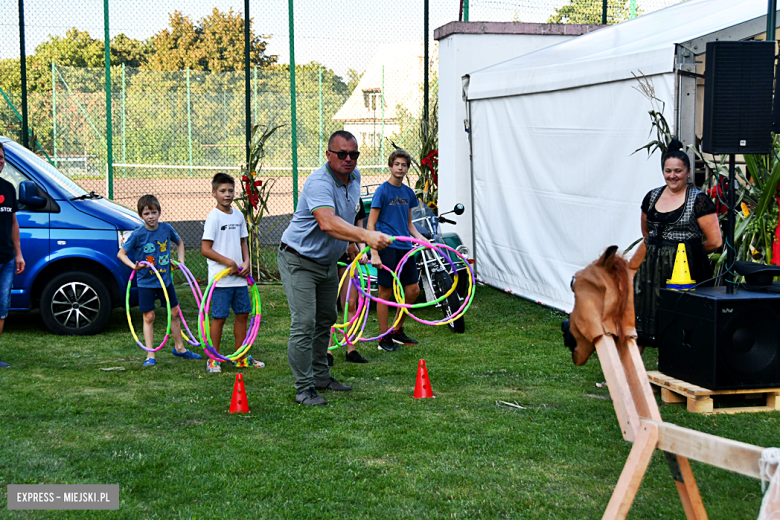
{"points": [[720, 341], [738, 82]]}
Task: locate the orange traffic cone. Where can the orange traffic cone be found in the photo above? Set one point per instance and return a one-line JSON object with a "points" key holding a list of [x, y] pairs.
{"points": [[423, 387], [239, 403]]}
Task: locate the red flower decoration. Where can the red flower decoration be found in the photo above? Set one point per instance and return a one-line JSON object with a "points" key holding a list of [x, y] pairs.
{"points": [[718, 193]]}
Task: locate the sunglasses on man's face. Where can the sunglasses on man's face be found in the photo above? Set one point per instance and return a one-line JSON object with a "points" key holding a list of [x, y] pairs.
{"points": [[343, 155]]}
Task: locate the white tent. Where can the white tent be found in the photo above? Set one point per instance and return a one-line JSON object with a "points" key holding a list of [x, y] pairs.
{"points": [[554, 181]]}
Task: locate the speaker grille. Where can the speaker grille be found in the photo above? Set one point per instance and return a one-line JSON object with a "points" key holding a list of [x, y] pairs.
{"points": [[749, 346], [738, 97]]}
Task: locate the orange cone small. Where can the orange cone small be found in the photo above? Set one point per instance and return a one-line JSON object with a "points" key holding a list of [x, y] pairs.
{"points": [[239, 403], [423, 387]]}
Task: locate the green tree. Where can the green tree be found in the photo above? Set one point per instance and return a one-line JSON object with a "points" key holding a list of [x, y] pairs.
{"points": [[214, 43], [75, 49], [588, 11]]}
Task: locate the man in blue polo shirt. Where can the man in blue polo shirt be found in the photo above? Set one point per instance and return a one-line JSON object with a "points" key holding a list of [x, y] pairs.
{"points": [[319, 233]]}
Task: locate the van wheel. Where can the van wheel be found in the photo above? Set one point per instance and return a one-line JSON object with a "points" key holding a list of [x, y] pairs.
{"points": [[75, 303]]}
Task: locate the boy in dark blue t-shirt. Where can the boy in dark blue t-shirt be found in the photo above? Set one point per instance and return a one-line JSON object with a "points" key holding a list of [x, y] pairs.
{"points": [[152, 243], [391, 213]]}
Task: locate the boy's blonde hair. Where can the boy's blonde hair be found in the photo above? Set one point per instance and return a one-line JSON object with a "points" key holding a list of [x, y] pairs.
{"points": [[399, 153], [148, 201]]}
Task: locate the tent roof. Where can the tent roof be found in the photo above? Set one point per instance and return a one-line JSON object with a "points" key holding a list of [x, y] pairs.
{"points": [[646, 43]]}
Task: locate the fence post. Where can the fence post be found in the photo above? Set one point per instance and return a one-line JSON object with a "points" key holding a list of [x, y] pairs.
{"points": [[604, 13], [382, 138], [124, 143], [225, 122], [425, 66], [247, 99], [465, 10], [109, 129], [189, 119], [632, 9], [771, 16], [23, 66], [319, 155], [54, 111], [293, 107], [255, 94]]}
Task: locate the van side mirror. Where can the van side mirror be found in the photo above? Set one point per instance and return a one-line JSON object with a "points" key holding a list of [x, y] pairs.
{"points": [[459, 209], [28, 195]]}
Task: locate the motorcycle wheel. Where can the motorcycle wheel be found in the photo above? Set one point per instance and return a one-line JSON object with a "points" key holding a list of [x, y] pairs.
{"points": [[451, 303]]}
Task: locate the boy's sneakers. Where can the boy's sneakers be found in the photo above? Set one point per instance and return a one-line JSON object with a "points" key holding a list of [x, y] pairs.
{"points": [[186, 354], [309, 397], [4, 365], [400, 337], [355, 357], [150, 362], [213, 366], [387, 344]]}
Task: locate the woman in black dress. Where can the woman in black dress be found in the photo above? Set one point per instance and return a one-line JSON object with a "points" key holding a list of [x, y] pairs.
{"points": [[673, 213]]}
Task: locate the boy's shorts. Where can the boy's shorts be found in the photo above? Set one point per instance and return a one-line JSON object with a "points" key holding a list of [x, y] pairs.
{"points": [[390, 257], [147, 296], [225, 297]]}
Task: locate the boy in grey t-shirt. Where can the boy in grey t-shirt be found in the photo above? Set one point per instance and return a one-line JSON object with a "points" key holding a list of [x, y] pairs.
{"points": [[224, 245]]}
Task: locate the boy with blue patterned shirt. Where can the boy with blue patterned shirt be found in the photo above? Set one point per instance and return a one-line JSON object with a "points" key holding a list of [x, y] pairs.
{"points": [[152, 244], [391, 213]]}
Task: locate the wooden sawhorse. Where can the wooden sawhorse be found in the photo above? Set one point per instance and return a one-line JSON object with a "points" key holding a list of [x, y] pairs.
{"points": [[641, 423]]}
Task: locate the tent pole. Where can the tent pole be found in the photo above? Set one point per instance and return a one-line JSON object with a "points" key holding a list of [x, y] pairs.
{"points": [[473, 204]]}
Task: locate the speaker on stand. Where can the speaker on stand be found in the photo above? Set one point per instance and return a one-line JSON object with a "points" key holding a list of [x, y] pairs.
{"points": [[738, 79]]}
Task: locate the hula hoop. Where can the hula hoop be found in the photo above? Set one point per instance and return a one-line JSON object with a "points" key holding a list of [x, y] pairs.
{"points": [[252, 327], [352, 329], [193, 283], [167, 304]]}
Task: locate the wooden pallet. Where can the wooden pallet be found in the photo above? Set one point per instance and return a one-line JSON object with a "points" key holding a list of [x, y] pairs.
{"points": [[700, 400]]}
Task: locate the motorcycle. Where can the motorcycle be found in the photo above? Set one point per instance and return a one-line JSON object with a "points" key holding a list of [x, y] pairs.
{"points": [[436, 274]]}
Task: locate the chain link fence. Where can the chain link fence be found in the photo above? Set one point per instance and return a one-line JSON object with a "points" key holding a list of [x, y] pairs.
{"points": [[178, 90]]}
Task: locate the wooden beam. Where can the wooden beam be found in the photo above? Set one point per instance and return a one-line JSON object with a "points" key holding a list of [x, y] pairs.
{"points": [[633, 472], [642, 393], [735, 456], [619, 389]]}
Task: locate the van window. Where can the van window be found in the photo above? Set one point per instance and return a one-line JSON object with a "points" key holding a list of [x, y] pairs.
{"points": [[64, 183], [14, 176]]}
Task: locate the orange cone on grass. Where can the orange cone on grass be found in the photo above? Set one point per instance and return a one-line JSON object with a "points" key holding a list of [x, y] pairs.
{"points": [[423, 387], [239, 403]]}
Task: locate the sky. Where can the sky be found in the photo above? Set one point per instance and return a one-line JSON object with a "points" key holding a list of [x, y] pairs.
{"points": [[340, 35]]}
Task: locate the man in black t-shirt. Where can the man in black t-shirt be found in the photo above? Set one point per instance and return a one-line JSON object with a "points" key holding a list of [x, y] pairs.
{"points": [[11, 260]]}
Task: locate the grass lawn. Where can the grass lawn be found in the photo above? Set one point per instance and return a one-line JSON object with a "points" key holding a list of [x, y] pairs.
{"points": [[165, 435]]}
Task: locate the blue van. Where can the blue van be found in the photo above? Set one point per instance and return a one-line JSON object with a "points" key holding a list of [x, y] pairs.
{"points": [[69, 240]]}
